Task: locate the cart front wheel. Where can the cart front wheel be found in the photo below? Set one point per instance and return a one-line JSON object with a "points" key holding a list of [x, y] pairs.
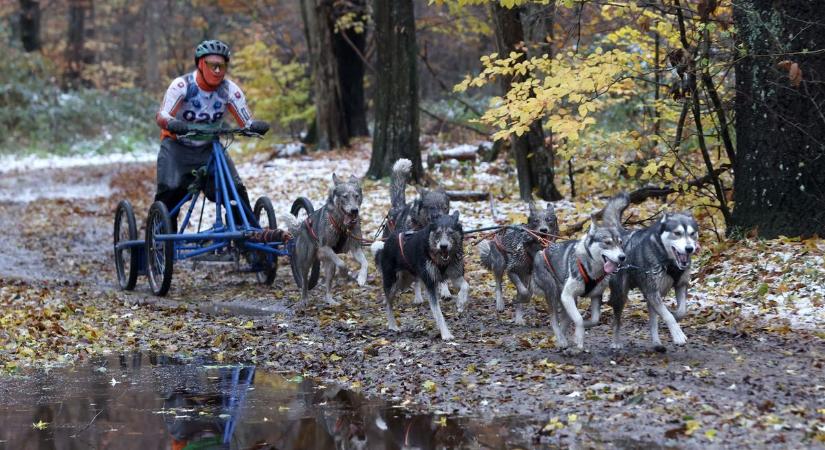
{"points": [[301, 209], [265, 215], [126, 258], [160, 254]]}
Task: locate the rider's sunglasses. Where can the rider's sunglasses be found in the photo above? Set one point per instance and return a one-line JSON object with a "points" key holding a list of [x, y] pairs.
{"points": [[215, 66]]}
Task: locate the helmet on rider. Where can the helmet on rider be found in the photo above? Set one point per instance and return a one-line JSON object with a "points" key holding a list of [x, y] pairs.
{"points": [[212, 47]]}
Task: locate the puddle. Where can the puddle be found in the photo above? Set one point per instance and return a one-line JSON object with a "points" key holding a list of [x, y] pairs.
{"points": [[154, 402]]}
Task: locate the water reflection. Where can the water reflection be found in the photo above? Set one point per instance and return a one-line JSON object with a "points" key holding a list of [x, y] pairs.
{"points": [[154, 402]]}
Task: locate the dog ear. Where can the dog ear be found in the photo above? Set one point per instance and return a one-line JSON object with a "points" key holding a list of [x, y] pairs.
{"points": [[664, 217], [422, 191], [335, 179], [532, 207], [354, 179], [454, 215], [592, 229], [550, 208]]}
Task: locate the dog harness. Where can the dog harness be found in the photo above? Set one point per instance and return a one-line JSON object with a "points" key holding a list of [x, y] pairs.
{"points": [[674, 272], [589, 283], [401, 248]]}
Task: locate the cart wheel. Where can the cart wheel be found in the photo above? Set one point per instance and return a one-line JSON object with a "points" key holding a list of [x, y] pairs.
{"points": [[126, 259], [160, 254], [301, 209], [267, 220]]}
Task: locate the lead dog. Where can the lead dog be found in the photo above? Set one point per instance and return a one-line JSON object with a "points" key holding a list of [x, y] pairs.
{"points": [[333, 229], [579, 268], [512, 250], [433, 255], [658, 259]]}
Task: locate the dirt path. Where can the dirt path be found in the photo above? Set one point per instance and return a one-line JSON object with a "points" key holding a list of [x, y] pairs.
{"points": [[733, 385]]}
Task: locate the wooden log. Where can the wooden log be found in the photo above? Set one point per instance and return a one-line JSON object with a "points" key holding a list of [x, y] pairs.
{"points": [[468, 196], [463, 153]]}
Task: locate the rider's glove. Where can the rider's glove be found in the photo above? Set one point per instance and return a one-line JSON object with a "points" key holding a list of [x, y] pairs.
{"points": [[259, 127], [176, 126]]}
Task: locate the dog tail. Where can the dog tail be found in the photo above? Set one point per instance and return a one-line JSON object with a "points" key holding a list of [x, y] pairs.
{"points": [[377, 248], [484, 253], [291, 223], [614, 209], [400, 176]]}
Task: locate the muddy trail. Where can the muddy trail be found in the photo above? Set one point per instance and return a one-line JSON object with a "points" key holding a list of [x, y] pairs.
{"points": [[734, 385]]}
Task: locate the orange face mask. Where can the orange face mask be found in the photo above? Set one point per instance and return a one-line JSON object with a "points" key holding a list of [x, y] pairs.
{"points": [[211, 78]]}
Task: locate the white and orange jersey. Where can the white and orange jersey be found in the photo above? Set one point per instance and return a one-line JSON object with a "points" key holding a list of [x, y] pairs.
{"points": [[186, 100]]}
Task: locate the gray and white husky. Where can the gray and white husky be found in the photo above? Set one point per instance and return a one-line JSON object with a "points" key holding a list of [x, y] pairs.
{"points": [[413, 216], [658, 259], [568, 270], [333, 229], [511, 251]]}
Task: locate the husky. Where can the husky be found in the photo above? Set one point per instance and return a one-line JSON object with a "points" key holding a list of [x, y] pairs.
{"points": [[333, 229], [433, 255], [578, 268], [430, 205], [658, 259], [512, 251]]}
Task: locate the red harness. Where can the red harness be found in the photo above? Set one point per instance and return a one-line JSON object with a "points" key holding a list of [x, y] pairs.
{"points": [[401, 248], [589, 283]]}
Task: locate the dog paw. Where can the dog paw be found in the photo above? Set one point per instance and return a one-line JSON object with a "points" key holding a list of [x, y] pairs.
{"points": [[418, 299], [393, 327], [679, 338], [331, 301], [519, 320], [362, 279], [446, 336], [616, 346]]}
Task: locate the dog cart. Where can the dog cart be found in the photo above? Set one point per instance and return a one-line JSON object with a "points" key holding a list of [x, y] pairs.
{"points": [[253, 241]]}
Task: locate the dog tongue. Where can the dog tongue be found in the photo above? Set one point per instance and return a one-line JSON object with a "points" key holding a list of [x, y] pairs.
{"points": [[609, 266]]}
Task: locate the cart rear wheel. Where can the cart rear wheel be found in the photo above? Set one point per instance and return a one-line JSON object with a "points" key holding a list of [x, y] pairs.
{"points": [[160, 254], [301, 209], [265, 215], [126, 259]]}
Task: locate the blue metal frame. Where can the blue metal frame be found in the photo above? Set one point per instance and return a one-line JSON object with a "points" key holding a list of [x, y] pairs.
{"points": [[221, 235]]}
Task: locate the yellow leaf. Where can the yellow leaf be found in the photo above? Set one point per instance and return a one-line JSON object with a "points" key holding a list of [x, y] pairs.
{"points": [[333, 357], [40, 425], [248, 325], [429, 386]]}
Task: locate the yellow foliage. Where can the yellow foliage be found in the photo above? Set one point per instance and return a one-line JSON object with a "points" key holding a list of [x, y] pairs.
{"points": [[277, 92]]}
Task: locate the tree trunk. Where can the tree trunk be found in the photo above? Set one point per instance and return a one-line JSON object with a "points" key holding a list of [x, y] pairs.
{"points": [[396, 102], [534, 158], [329, 105], [77, 56], [152, 42], [30, 25], [349, 55], [779, 187]]}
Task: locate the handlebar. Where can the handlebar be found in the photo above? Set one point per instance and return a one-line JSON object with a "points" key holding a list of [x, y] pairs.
{"points": [[222, 132]]}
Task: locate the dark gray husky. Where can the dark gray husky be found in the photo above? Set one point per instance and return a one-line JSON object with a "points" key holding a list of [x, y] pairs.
{"points": [[658, 259], [512, 250], [568, 270], [433, 254], [333, 229], [403, 216]]}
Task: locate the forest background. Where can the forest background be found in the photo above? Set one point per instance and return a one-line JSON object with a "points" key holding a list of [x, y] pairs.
{"points": [[717, 102]]}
